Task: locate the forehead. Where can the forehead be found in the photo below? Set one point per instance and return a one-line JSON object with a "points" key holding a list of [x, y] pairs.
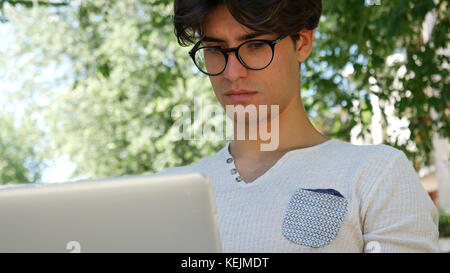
{"points": [[221, 24]]}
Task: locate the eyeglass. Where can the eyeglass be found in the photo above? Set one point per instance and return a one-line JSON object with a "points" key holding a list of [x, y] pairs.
{"points": [[252, 54]]}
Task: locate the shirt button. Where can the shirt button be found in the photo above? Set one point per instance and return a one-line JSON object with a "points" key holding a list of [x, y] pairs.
{"points": [[233, 171], [229, 160], [238, 179]]}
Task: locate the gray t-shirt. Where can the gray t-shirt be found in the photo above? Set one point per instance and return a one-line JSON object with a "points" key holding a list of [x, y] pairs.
{"points": [[331, 197]]}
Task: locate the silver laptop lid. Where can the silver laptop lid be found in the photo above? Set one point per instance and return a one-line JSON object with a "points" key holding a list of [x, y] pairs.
{"points": [[153, 213]]}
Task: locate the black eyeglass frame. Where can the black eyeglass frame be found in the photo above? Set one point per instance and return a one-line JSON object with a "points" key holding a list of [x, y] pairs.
{"points": [[225, 52]]}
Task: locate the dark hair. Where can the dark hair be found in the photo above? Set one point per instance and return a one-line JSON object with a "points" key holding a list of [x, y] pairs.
{"points": [[285, 17]]}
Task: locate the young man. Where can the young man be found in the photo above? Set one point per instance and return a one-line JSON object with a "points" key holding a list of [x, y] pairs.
{"points": [[312, 193]]}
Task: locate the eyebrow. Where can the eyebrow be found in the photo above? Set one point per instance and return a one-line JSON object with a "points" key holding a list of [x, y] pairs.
{"points": [[244, 37]]}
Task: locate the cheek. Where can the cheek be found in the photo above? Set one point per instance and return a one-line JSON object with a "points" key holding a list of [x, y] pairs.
{"points": [[279, 79], [217, 87], [286, 67]]}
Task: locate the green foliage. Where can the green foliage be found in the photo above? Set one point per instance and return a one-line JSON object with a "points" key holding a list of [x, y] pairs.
{"points": [[20, 158], [126, 76], [111, 110], [365, 36], [444, 224]]}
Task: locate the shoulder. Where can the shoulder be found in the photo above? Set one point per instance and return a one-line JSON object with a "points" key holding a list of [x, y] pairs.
{"points": [[383, 174], [372, 159], [371, 167], [364, 153]]}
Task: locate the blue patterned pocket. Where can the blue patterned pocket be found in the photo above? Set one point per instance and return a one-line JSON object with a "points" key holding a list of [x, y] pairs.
{"points": [[313, 216]]}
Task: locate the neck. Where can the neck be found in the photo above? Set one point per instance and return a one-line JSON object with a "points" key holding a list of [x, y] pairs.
{"points": [[295, 131]]}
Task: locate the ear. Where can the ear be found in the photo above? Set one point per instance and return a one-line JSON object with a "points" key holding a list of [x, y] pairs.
{"points": [[304, 44]]}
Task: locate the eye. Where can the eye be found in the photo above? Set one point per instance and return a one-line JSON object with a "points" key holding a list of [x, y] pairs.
{"points": [[211, 50], [257, 45]]}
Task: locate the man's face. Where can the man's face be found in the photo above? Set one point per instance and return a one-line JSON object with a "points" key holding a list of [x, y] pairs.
{"points": [[277, 84]]}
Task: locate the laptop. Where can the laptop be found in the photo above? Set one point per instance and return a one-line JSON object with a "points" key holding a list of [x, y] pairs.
{"points": [[145, 213]]}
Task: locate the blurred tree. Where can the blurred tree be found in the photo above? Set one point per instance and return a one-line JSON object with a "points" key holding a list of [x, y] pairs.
{"points": [[350, 63], [126, 75], [20, 156]]}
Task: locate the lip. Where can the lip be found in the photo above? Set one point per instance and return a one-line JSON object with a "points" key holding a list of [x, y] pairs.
{"points": [[240, 95]]}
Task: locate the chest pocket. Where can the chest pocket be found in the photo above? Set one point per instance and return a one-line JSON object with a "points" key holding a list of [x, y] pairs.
{"points": [[313, 216]]}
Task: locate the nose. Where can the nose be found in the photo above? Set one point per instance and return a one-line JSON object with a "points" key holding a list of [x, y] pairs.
{"points": [[234, 69]]}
